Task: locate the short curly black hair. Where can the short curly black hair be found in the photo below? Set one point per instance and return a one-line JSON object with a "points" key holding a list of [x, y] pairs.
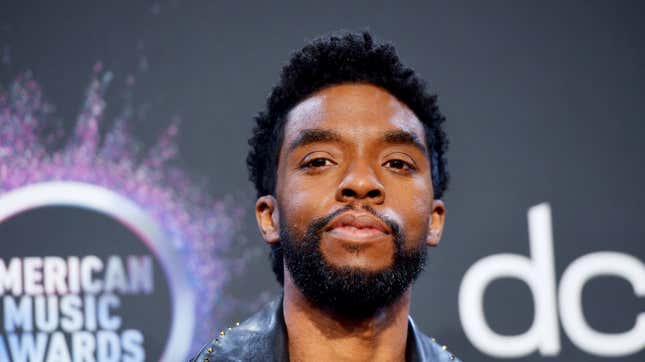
{"points": [[337, 59]]}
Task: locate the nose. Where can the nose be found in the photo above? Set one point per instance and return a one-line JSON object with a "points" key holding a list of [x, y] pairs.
{"points": [[360, 183]]}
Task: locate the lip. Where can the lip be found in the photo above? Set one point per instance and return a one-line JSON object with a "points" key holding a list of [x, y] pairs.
{"points": [[354, 226]]}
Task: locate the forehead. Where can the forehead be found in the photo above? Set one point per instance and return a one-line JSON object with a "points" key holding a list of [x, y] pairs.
{"points": [[353, 110]]}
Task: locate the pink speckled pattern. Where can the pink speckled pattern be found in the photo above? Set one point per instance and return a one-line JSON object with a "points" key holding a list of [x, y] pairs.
{"points": [[202, 228]]}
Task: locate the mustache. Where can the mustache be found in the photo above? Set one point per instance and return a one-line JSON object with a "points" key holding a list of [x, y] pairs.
{"points": [[319, 224]]}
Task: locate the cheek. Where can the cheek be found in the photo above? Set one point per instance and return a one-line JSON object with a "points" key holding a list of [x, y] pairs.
{"points": [[414, 205], [302, 200]]}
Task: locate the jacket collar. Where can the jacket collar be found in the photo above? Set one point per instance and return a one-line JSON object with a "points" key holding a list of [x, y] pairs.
{"points": [[263, 337]]}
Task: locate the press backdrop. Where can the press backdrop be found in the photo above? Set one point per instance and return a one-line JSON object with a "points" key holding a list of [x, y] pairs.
{"points": [[544, 106]]}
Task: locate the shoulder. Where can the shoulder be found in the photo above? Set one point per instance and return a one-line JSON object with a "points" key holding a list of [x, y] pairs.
{"points": [[429, 349], [252, 340], [231, 344]]}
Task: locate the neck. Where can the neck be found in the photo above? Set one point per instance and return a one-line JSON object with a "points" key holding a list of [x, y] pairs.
{"points": [[317, 335]]}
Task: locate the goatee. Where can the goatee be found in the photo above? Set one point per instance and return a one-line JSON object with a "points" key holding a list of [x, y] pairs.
{"points": [[349, 292]]}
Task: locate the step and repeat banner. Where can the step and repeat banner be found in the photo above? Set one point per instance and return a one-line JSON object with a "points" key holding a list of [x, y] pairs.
{"points": [[108, 253], [126, 219]]}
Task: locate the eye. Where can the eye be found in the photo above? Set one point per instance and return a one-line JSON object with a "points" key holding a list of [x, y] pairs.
{"points": [[399, 165], [317, 163]]}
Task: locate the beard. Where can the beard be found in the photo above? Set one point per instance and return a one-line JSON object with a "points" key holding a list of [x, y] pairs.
{"points": [[349, 292]]}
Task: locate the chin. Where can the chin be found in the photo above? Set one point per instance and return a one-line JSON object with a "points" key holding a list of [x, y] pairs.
{"points": [[369, 257], [361, 265]]}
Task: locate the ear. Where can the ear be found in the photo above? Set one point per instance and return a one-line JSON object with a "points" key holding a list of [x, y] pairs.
{"points": [[267, 215], [437, 219]]}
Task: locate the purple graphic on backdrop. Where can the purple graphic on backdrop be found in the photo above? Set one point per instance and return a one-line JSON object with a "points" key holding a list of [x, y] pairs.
{"points": [[199, 228]]}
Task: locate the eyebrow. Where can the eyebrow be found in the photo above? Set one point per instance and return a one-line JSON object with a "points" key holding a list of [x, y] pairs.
{"points": [[315, 135], [400, 137]]}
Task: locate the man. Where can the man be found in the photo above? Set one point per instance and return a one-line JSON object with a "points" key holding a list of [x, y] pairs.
{"points": [[348, 162]]}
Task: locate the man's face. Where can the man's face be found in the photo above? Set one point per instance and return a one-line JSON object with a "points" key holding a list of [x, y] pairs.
{"points": [[354, 170]]}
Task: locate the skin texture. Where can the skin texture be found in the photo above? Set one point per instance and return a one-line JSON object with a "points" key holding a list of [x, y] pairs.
{"points": [[351, 144]]}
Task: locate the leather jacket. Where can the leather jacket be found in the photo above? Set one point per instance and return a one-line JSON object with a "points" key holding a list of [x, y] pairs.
{"points": [[263, 337]]}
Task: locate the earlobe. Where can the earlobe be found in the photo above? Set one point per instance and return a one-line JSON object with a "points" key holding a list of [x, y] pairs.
{"points": [[268, 218], [437, 220]]}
